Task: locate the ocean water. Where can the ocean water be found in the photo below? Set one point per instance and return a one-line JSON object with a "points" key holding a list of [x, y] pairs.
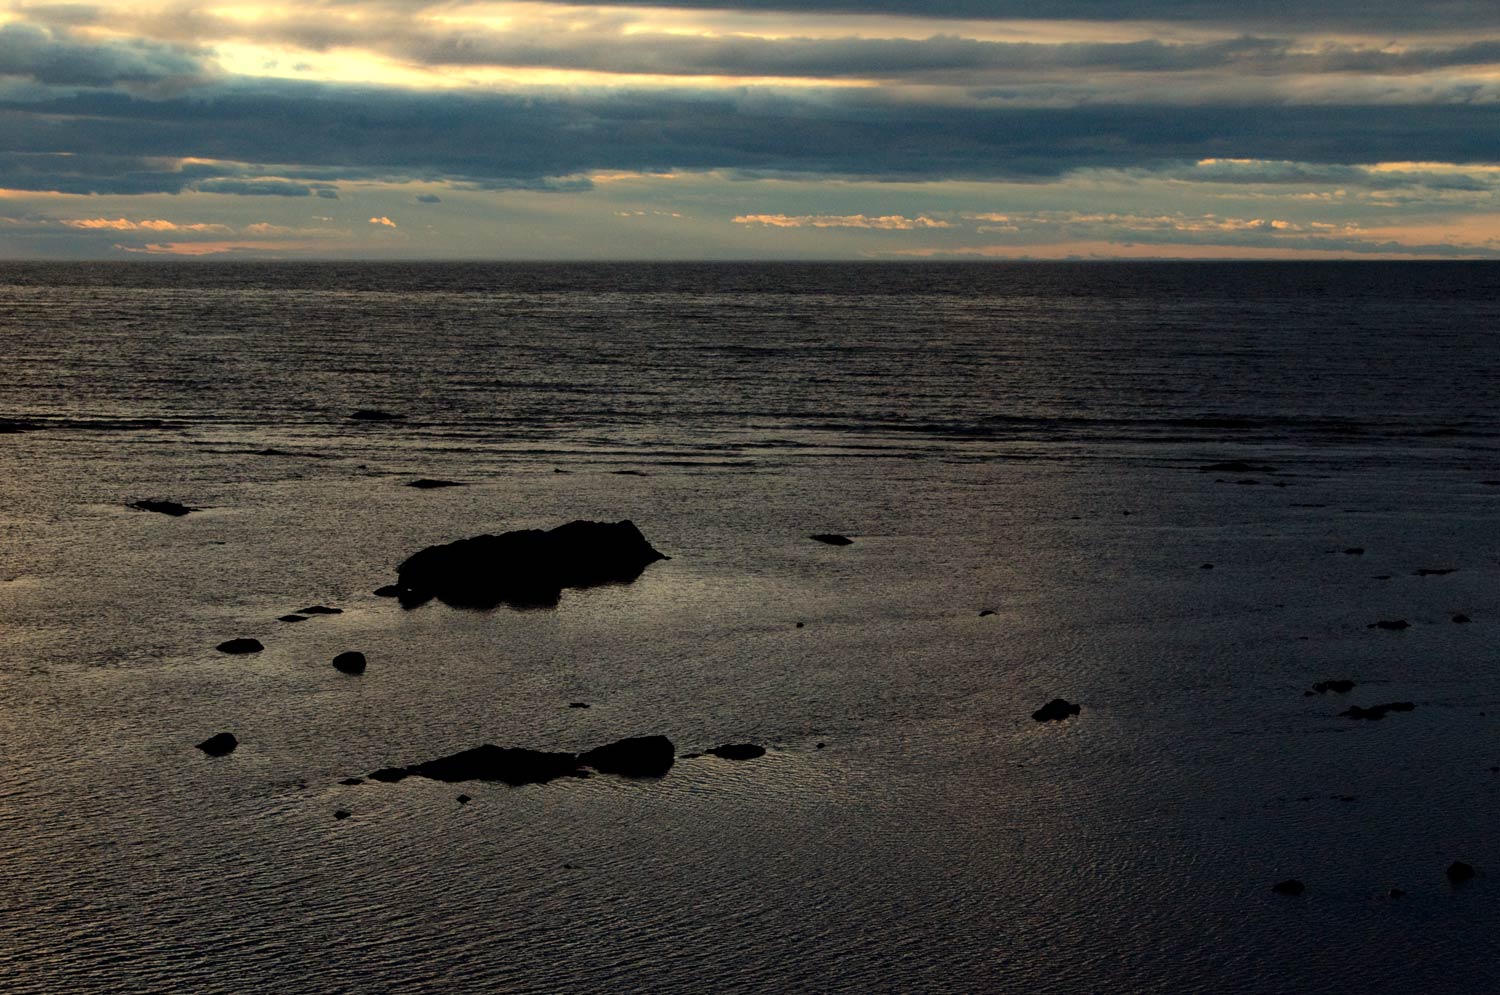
{"points": [[1019, 439]]}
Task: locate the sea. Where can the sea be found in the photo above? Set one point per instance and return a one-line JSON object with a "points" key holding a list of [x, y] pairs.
{"points": [[1177, 495]]}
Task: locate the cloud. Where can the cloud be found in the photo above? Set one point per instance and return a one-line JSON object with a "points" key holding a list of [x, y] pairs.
{"points": [[888, 222], [429, 198], [386, 222], [155, 225], [54, 58], [257, 188]]}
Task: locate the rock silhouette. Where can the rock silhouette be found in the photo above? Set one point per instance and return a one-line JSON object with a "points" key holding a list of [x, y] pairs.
{"points": [[240, 646], [1436, 571], [832, 540], [1462, 619], [1337, 687], [388, 591], [1291, 886], [1391, 625], [738, 751], [525, 568], [1056, 710], [349, 663], [644, 756], [374, 414], [1376, 712], [428, 484], [320, 610], [220, 745], [162, 507], [1458, 872], [291, 618]]}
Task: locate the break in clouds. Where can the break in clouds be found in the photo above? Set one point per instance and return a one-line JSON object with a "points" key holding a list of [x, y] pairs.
{"points": [[1366, 113]]}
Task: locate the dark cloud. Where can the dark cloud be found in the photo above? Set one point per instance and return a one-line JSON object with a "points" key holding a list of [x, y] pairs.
{"points": [[50, 57], [429, 198]]}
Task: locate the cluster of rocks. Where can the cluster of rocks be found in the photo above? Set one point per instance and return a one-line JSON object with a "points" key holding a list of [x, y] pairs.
{"points": [[1459, 872]]}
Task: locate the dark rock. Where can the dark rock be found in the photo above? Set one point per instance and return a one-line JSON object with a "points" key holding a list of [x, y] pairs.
{"points": [[320, 610], [1436, 571], [1375, 712], [291, 618], [987, 613], [1462, 619], [1355, 551], [578, 704], [1291, 886], [489, 763], [738, 751], [351, 781], [1490, 483], [627, 473], [349, 663], [464, 799], [821, 746], [1458, 872], [388, 591], [342, 813], [1337, 687], [372, 414], [1206, 566], [801, 624], [1396, 893], [220, 745], [240, 646], [832, 540], [1236, 466], [639, 756], [1055, 711], [162, 507], [528, 567], [428, 484], [1248, 480], [1395, 625]]}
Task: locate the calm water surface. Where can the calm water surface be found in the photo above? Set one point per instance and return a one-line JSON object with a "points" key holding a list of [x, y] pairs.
{"points": [[1019, 439]]}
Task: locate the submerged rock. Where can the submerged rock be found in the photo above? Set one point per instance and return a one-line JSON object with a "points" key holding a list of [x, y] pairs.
{"points": [[738, 751], [220, 745], [1392, 625], [1336, 686], [527, 567], [1056, 710], [1436, 571], [639, 756], [162, 507], [349, 663], [240, 646], [428, 484], [832, 539], [1458, 872], [1377, 711], [1291, 886], [320, 610]]}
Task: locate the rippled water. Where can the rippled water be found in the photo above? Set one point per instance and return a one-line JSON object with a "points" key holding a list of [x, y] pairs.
{"points": [[1023, 439]]}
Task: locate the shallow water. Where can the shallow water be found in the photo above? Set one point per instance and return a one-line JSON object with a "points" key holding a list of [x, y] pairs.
{"points": [[981, 432]]}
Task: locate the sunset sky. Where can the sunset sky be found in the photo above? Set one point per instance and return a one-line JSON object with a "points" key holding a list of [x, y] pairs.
{"points": [[750, 129]]}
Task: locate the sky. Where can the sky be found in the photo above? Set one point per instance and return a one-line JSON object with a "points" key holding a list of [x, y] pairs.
{"points": [[750, 129]]}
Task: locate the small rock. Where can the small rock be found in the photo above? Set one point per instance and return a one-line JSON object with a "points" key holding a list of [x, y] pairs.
{"points": [[1375, 712], [320, 610], [428, 484], [291, 618], [1391, 625], [1055, 711], [987, 613], [738, 751], [1458, 872], [388, 591], [464, 799], [1436, 572], [220, 745], [1396, 893], [240, 646], [1336, 686], [832, 539], [800, 624], [1291, 886], [349, 663], [1355, 551], [1206, 566], [351, 781], [578, 704], [342, 813], [1462, 619], [821, 746], [162, 507]]}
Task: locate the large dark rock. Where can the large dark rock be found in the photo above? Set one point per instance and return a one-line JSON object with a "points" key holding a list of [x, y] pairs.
{"points": [[512, 766], [162, 507], [1375, 712], [350, 663], [1458, 872], [1056, 710], [525, 568], [220, 745], [738, 751], [240, 646], [831, 539], [639, 756]]}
